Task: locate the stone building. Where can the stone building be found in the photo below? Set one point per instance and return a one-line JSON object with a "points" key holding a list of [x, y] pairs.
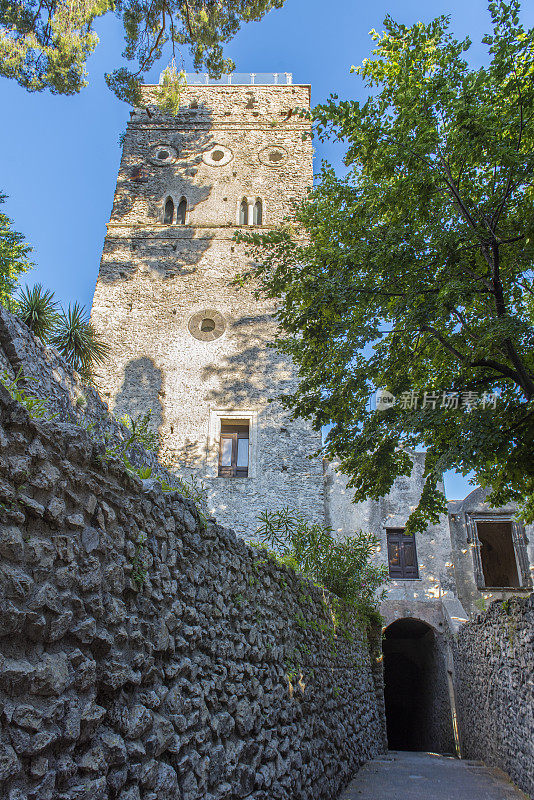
{"points": [[186, 343], [438, 580], [421, 610], [194, 349]]}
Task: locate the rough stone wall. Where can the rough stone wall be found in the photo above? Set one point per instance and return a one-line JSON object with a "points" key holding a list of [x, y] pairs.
{"points": [[211, 676], [494, 659], [154, 278], [244, 119]]}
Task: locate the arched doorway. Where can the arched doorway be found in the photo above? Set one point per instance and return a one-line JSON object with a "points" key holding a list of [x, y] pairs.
{"points": [[416, 692]]}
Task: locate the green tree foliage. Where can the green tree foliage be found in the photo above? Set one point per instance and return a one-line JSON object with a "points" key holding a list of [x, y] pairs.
{"points": [[414, 271], [170, 92], [344, 567], [46, 45], [13, 258]]}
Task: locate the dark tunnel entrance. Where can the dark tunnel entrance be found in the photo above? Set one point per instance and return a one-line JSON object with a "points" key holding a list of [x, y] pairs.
{"points": [[416, 691]]}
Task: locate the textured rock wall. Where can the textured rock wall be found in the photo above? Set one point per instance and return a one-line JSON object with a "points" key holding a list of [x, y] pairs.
{"points": [[494, 662], [145, 656]]}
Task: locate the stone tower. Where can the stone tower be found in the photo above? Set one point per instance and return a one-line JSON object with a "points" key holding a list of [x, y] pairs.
{"points": [[186, 343]]}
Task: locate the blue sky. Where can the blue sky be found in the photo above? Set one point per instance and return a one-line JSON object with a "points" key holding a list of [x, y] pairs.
{"points": [[60, 155]]}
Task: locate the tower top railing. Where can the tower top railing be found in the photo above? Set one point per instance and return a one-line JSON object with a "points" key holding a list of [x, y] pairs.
{"points": [[239, 79]]}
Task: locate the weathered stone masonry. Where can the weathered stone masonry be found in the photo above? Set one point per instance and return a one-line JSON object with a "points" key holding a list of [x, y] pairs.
{"points": [[212, 680], [494, 659], [155, 278]]}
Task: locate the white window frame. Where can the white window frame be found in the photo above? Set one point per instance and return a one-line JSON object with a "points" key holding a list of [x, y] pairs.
{"points": [[251, 202], [176, 199], [221, 416]]}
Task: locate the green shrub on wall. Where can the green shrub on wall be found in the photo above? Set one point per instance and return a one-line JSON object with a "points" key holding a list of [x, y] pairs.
{"points": [[344, 567]]}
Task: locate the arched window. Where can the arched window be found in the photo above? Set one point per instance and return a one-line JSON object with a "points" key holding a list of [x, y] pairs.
{"points": [[182, 211], [169, 212], [258, 212], [243, 212]]}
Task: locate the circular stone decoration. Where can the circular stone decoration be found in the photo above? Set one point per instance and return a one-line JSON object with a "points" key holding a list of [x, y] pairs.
{"points": [[273, 156], [162, 154], [217, 156], [207, 325]]}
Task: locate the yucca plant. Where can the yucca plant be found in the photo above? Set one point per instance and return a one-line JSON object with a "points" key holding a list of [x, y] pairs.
{"points": [[38, 309], [78, 342]]}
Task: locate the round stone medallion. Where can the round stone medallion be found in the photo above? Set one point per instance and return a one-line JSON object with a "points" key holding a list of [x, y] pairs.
{"points": [[217, 156], [207, 325], [162, 154], [273, 156]]}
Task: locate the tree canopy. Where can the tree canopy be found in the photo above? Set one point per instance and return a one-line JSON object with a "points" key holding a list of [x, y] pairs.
{"points": [[413, 272], [45, 44], [13, 257]]}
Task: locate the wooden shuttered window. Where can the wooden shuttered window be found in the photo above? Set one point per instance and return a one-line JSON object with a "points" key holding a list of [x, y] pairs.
{"points": [[402, 554], [520, 541], [233, 452]]}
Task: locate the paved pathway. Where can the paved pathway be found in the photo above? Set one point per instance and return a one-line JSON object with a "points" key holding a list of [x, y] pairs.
{"points": [[425, 776]]}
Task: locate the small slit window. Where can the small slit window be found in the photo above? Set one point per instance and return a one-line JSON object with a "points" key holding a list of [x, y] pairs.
{"points": [[234, 448], [402, 554], [181, 212], [243, 212], [258, 212], [169, 212]]}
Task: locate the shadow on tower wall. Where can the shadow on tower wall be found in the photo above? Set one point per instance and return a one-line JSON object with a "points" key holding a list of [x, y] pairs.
{"points": [[140, 391], [254, 371], [250, 375], [148, 252]]}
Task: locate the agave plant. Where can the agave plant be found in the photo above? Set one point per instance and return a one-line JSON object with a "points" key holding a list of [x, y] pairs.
{"points": [[38, 309], [78, 342]]}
